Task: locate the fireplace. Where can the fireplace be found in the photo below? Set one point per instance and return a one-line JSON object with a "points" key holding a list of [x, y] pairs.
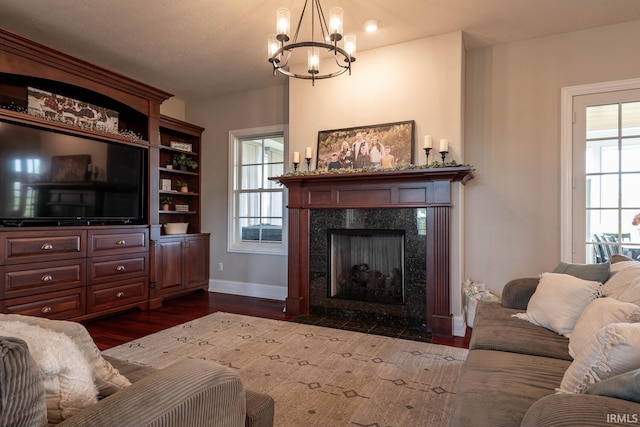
{"points": [[363, 285], [366, 265], [358, 200]]}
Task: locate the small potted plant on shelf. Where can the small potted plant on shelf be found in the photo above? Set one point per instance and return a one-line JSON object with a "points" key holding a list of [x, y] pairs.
{"points": [[183, 186], [183, 162], [165, 203]]}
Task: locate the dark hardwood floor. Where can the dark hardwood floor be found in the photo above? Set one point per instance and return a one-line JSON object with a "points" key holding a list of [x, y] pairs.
{"points": [[121, 328]]}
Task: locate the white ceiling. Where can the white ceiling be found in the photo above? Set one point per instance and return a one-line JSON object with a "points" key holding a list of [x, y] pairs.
{"points": [[203, 48]]}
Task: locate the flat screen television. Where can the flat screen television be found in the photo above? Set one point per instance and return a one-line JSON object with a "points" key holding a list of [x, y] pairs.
{"points": [[53, 178]]}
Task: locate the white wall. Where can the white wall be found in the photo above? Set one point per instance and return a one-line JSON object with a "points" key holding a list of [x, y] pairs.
{"points": [[512, 212], [243, 274], [421, 80]]}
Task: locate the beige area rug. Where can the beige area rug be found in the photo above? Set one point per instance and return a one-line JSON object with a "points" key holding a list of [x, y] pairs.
{"points": [[317, 376]]}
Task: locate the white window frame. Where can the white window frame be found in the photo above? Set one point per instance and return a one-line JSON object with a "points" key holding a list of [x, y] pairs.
{"points": [[234, 245], [566, 157]]}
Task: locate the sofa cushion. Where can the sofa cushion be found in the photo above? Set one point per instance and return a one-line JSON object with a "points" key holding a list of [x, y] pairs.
{"points": [[623, 386], [559, 300], [615, 349], [67, 377], [22, 395], [594, 272], [107, 379], [600, 313], [496, 388], [497, 329]]}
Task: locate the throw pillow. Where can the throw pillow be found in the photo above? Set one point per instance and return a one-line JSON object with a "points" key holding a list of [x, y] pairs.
{"points": [[623, 275], [67, 377], [624, 386], [107, 379], [614, 350], [596, 272], [632, 293], [22, 397], [619, 258], [558, 301], [599, 313]]}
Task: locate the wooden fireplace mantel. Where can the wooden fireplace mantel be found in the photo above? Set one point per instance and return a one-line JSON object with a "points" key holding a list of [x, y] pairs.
{"points": [[428, 188]]}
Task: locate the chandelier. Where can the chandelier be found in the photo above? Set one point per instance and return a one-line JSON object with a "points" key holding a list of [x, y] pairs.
{"points": [[280, 51]]}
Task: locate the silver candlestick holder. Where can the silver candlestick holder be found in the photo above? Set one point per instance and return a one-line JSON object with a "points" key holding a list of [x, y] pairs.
{"points": [[427, 151]]}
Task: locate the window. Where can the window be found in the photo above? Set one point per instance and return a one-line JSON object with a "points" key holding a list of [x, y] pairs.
{"points": [[605, 175], [256, 208]]}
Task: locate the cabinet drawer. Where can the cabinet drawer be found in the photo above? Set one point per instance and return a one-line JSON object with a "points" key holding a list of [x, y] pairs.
{"points": [[23, 280], [113, 295], [118, 267], [120, 242], [42, 246], [55, 305]]}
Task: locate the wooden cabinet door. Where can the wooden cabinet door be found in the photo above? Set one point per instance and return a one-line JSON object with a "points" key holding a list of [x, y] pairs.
{"points": [[197, 261], [171, 265]]}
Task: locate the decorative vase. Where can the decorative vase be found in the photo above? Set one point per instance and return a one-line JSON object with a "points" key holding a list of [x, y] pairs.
{"points": [[165, 207], [471, 311], [184, 189]]}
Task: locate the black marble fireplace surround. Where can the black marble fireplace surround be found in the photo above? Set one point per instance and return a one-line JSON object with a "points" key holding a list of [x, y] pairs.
{"points": [[411, 313]]}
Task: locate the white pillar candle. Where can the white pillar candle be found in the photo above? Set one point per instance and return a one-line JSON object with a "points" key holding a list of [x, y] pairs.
{"points": [[428, 141], [444, 145], [296, 157], [307, 153]]}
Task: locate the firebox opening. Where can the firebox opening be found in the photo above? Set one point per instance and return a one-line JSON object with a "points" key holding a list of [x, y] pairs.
{"points": [[366, 265]]}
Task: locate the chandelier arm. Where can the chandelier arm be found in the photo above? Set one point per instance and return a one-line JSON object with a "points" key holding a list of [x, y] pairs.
{"points": [[304, 8], [324, 28]]}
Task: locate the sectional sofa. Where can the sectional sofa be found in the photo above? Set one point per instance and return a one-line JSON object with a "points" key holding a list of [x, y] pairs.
{"points": [[561, 349]]}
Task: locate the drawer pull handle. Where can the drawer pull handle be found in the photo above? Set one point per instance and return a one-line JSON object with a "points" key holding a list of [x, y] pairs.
{"points": [[46, 278], [120, 294], [120, 242], [120, 267], [46, 247], [46, 310]]}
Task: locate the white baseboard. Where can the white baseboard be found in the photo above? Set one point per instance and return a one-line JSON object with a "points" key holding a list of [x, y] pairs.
{"points": [[459, 326], [248, 289]]}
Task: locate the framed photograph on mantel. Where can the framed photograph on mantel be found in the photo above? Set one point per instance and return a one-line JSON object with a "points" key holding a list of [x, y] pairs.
{"points": [[375, 146]]}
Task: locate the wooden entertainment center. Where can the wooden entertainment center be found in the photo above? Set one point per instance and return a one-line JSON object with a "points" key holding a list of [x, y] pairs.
{"points": [[82, 269]]}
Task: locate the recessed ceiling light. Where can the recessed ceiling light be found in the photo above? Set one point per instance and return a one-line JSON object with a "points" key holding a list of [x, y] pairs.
{"points": [[371, 25]]}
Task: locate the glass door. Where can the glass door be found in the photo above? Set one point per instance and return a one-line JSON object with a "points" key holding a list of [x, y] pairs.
{"points": [[606, 176]]}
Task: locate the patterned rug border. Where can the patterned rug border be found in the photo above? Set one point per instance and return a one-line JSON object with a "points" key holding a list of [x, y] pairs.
{"points": [[318, 376]]}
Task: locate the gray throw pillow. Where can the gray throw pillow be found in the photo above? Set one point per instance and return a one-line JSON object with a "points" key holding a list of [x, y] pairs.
{"points": [[595, 272], [624, 386], [22, 394]]}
